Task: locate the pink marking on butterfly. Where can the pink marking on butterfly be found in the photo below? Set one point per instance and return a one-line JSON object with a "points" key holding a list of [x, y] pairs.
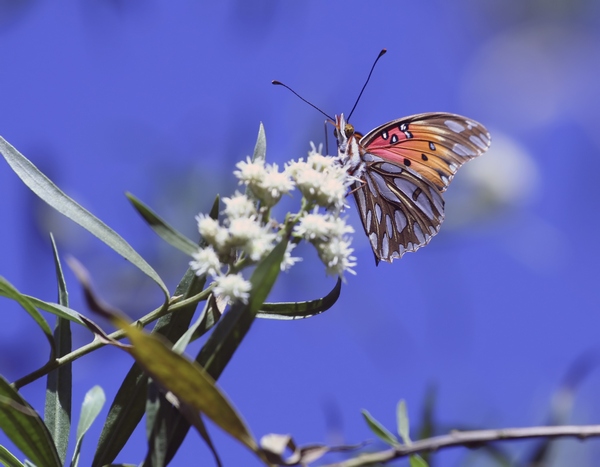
{"points": [[402, 168]]}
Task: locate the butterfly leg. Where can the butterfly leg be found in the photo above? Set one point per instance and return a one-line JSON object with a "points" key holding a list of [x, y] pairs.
{"points": [[360, 183]]}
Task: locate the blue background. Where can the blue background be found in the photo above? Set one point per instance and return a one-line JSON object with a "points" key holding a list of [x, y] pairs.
{"points": [[163, 98]]}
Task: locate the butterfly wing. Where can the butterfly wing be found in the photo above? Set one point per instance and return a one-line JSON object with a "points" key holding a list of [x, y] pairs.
{"points": [[434, 145], [409, 163], [399, 209]]}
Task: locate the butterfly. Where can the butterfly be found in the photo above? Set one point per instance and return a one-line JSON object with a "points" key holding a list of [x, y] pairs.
{"points": [[401, 169]]}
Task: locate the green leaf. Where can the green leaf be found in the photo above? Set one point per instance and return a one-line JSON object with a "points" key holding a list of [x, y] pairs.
{"points": [[123, 416], [156, 427], [298, 310], [9, 291], [91, 407], [25, 428], [260, 148], [403, 423], [185, 339], [417, 461], [127, 408], [382, 432], [7, 459], [162, 229], [189, 382], [54, 308], [233, 326], [43, 187], [57, 410], [231, 329]]}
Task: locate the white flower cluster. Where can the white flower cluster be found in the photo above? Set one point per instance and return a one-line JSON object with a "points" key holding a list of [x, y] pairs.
{"points": [[321, 179], [329, 234], [245, 230]]}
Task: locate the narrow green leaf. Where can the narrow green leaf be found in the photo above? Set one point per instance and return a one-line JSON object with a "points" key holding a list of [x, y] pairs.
{"points": [[123, 416], [188, 382], [231, 329], [91, 407], [57, 410], [7, 459], [185, 339], [260, 149], [156, 428], [127, 408], [299, 310], [43, 187], [9, 291], [54, 308], [25, 428], [403, 423], [233, 326], [382, 432], [162, 228], [417, 461]]}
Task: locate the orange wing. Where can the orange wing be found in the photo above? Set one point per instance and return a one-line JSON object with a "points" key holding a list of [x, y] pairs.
{"points": [[434, 145]]}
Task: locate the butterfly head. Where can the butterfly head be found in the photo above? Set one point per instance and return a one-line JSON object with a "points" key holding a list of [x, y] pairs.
{"points": [[347, 142]]}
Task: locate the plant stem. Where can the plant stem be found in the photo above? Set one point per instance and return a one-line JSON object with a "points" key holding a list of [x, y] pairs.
{"points": [[470, 439], [117, 335]]}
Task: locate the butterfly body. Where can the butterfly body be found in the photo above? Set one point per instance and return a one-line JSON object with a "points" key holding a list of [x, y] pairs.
{"points": [[401, 170]]}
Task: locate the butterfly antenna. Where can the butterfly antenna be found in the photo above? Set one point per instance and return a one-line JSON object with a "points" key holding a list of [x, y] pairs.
{"points": [[326, 138], [279, 83], [381, 54]]}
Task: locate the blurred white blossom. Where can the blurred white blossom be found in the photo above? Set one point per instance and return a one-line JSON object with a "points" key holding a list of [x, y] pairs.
{"points": [[232, 287], [337, 256], [321, 179], [317, 226], [206, 261], [210, 230], [264, 180], [239, 205], [288, 259]]}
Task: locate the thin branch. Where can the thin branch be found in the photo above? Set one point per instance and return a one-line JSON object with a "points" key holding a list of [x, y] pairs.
{"points": [[470, 439], [117, 335]]}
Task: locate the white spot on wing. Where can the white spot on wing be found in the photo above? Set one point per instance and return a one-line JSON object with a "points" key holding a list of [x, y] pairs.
{"points": [[438, 202], [378, 213], [384, 190], [419, 233], [385, 246], [462, 150], [405, 186], [388, 223], [400, 220], [424, 205], [373, 238], [454, 126], [476, 140], [369, 218], [362, 203], [391, 168], [372, 187], [368, 157]]}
